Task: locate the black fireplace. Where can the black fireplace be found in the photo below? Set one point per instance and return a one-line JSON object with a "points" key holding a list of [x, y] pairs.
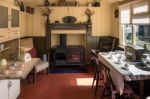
{"points": [[69, 55]]}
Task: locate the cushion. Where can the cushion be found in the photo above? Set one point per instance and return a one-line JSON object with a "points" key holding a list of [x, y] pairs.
{"points": [[41, 65], [33, 53]]}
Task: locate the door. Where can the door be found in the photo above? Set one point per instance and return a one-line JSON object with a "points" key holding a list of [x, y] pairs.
{"points": [[3, 89], [14, 89]]}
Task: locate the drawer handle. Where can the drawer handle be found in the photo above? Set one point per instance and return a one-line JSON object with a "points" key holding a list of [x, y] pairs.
{"points": [[9, 84]]}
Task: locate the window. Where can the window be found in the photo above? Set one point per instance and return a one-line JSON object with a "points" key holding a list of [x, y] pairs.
{"points": [[128, 35], [142, 35], [125, 15], [141, 7], [135, 23]]}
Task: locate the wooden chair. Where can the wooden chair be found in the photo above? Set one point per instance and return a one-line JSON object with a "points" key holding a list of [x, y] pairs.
{"points": [[115, 94], [106, 44], [98, 76], [41, 65]]}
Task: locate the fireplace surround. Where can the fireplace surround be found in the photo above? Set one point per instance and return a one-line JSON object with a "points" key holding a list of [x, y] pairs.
{"points": [[70, 55], [61, 55]]}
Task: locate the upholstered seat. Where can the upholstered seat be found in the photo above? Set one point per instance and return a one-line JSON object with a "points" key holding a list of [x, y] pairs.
{"points": [[41, 65]]}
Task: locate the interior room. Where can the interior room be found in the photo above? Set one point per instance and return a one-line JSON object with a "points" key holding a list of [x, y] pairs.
{"points": [[74, 49]]}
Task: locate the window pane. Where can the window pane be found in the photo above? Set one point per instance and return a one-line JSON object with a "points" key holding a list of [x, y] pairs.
{"points": [[140, 8], [141, 20], [125, 15], [142, 35], [127, 34]]}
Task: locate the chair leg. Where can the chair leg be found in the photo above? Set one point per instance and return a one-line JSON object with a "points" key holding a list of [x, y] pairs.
{"points": [[34, 75], [97, 81], [94, 79], [28, 78], [47, 70]]}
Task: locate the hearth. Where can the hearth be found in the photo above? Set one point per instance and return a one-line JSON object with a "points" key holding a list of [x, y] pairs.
{"points": [[69, 55]]}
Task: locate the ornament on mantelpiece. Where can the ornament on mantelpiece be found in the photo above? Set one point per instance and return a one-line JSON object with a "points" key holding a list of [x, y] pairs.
{"points": [[89, 13], [46, 12], [46, 3]]}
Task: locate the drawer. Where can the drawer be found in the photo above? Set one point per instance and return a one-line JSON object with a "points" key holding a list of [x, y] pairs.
{"points": [[4, 37]]}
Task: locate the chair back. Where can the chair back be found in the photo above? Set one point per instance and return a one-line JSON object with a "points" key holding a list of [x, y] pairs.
{"points": [[106, 44]]}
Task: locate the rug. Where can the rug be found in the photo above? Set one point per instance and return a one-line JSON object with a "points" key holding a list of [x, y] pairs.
{"points": [[69, 70]]}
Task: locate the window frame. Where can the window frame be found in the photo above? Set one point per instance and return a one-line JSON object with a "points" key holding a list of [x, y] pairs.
{"points": [[132, 15]]}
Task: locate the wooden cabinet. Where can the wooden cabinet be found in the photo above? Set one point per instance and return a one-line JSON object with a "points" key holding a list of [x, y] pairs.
{"points": [[10, 89], [9, 21], [22, 23]]}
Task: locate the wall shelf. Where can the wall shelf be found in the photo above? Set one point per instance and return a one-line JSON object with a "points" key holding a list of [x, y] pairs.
{"points": [[5, 49]]}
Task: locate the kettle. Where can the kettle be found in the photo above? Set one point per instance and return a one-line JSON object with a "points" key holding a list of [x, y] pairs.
{"points": [[3, 62]]}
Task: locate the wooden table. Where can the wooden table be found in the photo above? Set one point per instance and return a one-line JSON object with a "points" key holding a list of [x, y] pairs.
{"points": [[126, 75]]}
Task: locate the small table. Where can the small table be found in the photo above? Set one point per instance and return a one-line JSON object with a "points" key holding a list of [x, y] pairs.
{"points": [[124, 74]]}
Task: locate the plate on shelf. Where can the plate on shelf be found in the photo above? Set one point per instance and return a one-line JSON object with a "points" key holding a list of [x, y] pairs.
{"points": [[69, 19]]}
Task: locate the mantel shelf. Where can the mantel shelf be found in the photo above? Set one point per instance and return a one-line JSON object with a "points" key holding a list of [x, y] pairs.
{"points": [[68, 26]]}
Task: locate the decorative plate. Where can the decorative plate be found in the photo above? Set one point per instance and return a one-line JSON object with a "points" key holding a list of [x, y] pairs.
{"points": [[69, 19]]}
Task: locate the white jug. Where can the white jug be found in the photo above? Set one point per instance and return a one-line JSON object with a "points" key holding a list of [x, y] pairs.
{"points": [[3, 62]]}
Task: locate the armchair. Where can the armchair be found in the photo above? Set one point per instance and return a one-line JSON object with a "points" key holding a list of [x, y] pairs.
{"points": [[41, 65]]}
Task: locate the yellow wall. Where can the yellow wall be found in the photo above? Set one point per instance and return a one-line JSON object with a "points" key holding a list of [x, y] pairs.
{"points": [[114, 21], [101, 18]]}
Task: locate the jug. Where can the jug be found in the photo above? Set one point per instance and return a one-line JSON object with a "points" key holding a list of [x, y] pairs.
{"points": [[3, 62]]}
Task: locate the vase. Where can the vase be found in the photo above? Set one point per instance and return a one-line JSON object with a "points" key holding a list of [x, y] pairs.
{"points": [[47, 20]]}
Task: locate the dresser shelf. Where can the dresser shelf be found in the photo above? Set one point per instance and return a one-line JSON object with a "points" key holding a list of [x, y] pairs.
{"points": [[4, 49]]}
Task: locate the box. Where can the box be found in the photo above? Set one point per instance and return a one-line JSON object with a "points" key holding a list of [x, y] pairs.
{"points": [[30, 10]]}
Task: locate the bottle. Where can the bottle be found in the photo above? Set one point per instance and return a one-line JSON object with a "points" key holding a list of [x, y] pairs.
{"points": [[22, 6], [46, 3]]}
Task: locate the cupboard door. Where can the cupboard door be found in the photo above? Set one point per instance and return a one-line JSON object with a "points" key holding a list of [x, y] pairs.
{"points": [[4, 15], [4, 89], [14, 89]]}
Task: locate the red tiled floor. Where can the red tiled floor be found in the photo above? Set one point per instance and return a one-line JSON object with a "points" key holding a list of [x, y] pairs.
{"points": [[60, 86]]}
